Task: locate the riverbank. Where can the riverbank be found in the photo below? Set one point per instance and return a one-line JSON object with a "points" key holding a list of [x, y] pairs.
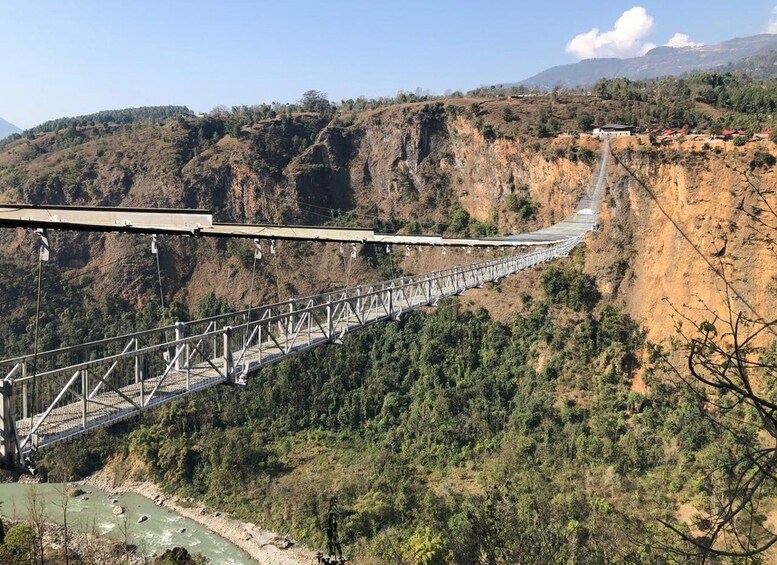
{"points": [[263, 546]]}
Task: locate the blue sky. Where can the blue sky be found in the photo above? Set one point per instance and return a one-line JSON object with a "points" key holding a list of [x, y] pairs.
{"points": [[69, 57]]}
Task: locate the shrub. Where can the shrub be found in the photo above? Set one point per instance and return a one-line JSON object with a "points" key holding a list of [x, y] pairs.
{"points": [[459, 221], [521, 205], [762, 159], [20, 541], [488, 132]]}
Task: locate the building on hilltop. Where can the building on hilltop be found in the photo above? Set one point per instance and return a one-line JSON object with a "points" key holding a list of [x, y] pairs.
{"points": [[613, 130]]}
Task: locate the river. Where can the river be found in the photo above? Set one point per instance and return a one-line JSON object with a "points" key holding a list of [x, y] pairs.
{"points": [[92, 511]]}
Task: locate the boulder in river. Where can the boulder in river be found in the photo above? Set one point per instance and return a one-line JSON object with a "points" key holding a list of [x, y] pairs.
{"points": [[176, 555], [118, 510], [73, 492], [142, 518]]}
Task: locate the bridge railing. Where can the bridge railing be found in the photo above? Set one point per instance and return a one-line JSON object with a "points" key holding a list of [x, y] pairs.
{"points": [[88, 386]]}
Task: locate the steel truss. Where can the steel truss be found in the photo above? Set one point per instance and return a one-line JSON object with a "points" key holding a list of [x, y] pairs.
{"points": [[92, 385]]}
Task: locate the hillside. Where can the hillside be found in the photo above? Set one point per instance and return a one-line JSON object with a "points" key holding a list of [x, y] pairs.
{"points": [[732, 55], [537, 400], [7, 128]]}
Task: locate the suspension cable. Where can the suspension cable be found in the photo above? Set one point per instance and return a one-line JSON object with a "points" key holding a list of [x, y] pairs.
{"points": [[43, 255], [277, 273], [257, 256], [155, 252], [391, 261]]}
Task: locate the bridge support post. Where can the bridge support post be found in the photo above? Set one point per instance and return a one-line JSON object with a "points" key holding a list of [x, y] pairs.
{"points": [[229, 368], [180, 334], [330, 330], [9, 457], [25, 389], [85, 390]]}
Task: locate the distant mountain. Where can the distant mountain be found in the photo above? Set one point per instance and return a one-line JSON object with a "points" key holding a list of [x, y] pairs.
{"points": [[7, 128], [661, 61], [762, 66]]}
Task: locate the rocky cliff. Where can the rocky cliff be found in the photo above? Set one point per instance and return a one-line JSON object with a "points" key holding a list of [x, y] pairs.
{"points": [[694, 237]]}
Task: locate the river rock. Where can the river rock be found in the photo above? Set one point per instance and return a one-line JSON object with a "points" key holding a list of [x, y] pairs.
{"points": [[280, 542], [73, 492], [118, 510], [175, 555], [142, 519], [182, 530]]}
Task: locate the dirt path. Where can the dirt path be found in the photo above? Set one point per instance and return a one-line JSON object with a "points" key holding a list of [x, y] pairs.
{"points": [[262, 546]]}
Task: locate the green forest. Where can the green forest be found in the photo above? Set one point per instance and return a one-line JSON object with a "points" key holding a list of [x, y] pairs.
{"points": [[684, 102]]}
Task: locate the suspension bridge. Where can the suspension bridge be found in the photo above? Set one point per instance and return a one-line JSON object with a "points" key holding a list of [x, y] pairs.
{"points": [[54, 396]]}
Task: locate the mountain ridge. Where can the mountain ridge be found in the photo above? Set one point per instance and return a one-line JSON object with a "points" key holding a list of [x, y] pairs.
{"points": [[7, 128], [660, 61]]}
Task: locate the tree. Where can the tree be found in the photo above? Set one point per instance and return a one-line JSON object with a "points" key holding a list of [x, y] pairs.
{"points": [[124, 526], [585, 122], [63, 500], [36, 511], [731, 370], [315, 101], [210, 305], [729, 373]]}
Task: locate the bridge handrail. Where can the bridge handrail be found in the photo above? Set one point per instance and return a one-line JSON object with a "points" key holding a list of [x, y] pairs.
{"points": [[320, 302], [72, 348]]}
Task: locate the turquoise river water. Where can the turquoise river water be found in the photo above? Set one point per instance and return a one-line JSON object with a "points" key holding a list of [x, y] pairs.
{"points": [[93, 512]]}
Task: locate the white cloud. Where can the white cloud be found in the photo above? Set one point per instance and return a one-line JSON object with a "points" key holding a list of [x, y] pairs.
{"points": [[682, 40], [623, 40], [771, 26]]}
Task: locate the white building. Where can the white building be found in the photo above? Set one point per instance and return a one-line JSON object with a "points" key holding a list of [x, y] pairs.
{"points": [[613, 130]]}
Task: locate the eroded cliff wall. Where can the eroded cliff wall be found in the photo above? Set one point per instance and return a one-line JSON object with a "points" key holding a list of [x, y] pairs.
{"points": [[695, 237]]}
